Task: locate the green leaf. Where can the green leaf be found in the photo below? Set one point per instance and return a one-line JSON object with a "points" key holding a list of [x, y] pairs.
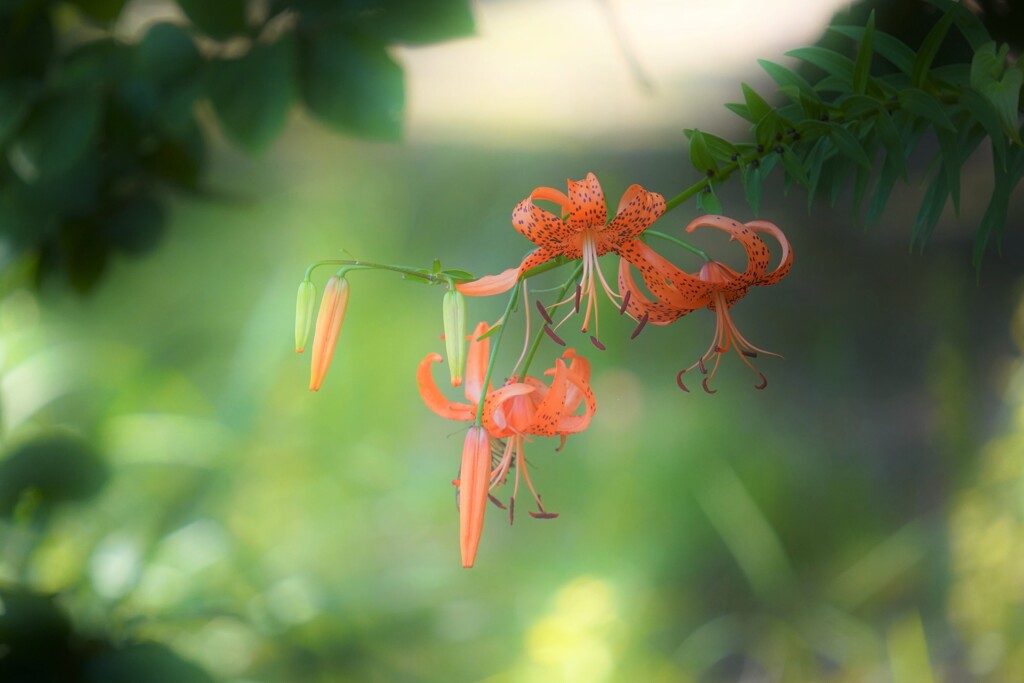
{"points": [[815, 162], [752, 186], [55, 136], [16, 98], [931, 208], [922, 104], [166, 51], [891, 48], [722, 150], [219, 19], [783, 77], [252, 94], [883, 189], [415, 22], [929, 48], [862, 65], [351, 83], [951, 162], [830, 61], [700, 155], [756, 104], [740, 110], [985, 114], [1001, 87], [848, 145], [889, 136], [493, 330], [794, 167], [968, 23], [101, 10], [994, 219], [456, 274], [96, 63], [707, 201]]}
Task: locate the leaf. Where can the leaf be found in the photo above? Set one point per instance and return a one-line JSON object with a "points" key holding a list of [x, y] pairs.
{"points": [[55, 136], [862, 65], [786, 77], [889, 136], [848, 145], [1001, 87], [351, 83], [707, 201], [752, 186], [794, 167], [456, 274], [101, 10], [951, 162], [219, 19], [929, 48], [969, 24], [493, 330], [931, 208], [856, 106], [891, 48], [700, 155], [883, 189], [166, 51], [924, 105], [985, 114], [756, 104], [740, 110], [416, 22], [995, 213], [815, 162], [722, 150], [16, 98], [830, 61], [96, 63], [252, 94]]}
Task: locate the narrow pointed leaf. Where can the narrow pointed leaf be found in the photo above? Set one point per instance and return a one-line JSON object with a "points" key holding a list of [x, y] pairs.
{"points": [[740, 110], [756, 105], [700, 155], [708, 202], [752, 187], [931, 208], [862, 65], [829, 61], [924, 105], [794, 167], [890, 139], [891, 48], [951, 162], [929, 48], [985, 114], [783, 77], [966, 21], [849, 146], [883, 189]]}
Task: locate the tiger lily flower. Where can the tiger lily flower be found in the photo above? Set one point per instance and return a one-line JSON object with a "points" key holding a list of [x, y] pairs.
{"points": [[584, 233], [715, 286], [513, 412]]}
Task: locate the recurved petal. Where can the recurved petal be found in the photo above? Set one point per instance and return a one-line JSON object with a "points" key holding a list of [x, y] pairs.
{"points": [[551, 410], [498, 416], [639, 306], [539, 225], [474, 477], [578, 391], [757, 251], [672, 286], [490, 284], [476, 363], [637, 210], [587, 207], [785, 261], [433, 397]]}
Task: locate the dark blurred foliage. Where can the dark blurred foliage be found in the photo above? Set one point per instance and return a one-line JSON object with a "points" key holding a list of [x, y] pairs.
{"points": [[96, 129], [51, 469]]}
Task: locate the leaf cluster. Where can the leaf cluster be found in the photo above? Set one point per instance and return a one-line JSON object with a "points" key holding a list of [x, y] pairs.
{"points": [[95, 129], [859, 124]]}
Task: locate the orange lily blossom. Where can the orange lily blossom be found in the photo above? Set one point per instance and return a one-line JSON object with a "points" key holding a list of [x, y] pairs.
{"points": [[716, 286], [585, 233], [518, 409]]}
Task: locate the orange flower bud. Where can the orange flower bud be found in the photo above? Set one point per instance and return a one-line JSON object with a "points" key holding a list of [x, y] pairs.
{"points": [[305, 300], [328, 325], [455, 333], [474, 480]]}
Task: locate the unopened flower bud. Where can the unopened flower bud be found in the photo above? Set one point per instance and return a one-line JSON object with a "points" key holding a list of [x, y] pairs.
{"points": [[455, 333], [328, 325], [304, 303]]}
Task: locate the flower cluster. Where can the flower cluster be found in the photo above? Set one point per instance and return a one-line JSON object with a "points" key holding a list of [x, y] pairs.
{"points": [[560, 402]]}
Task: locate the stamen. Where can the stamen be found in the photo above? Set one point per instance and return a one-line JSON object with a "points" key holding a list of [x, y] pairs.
{"points": [[543, 515], [707, 388], [496, 502], [640, 327], [551, 333], [764, 382], [597, 343], [543, 312], [625, 301], [679, 381], [579, 295], [749, 354], [719, 349], [700, 364]]}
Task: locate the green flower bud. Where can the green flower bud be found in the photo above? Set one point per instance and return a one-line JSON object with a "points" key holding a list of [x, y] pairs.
{"points": [[455, 333], [304, 303]]}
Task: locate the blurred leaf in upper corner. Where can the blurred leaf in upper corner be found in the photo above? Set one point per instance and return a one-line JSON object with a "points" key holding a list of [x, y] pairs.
{"points": [[101, 10], [166, 51], [252, 94], [219, 19], [55, 136], [351, 83], [412, 22], [54, 468], [26, 41]]}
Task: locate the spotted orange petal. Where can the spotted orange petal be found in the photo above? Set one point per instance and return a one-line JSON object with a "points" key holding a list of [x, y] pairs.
{"points": [[785, 261], [757, 251], [549, 412], [587, 207], [637, 210]]}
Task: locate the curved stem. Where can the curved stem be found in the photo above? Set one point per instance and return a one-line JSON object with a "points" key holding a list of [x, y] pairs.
{"points": [[417, 273], [675, 240], [494, 352]]}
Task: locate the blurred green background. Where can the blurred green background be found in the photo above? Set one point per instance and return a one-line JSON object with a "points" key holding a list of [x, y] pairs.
{"points": [[175, 505]]}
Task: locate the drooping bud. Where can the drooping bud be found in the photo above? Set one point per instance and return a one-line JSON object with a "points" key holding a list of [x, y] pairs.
{"points": [[455, 333], [474, 477], [328, 325], [305, 300]]}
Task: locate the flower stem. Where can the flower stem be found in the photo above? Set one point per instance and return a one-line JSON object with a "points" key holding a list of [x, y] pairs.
{"points": [[675, 240], [418, 273], [494, 352]]}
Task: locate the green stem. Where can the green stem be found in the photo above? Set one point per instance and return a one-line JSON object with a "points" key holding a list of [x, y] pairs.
{"points": [[540, 334], [675, 240], [494, 352], [404, 270]]}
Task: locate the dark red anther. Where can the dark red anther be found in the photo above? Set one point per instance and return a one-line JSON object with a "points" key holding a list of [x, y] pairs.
{"points": [[543, 515], [640, 327], [764, 382], [543, 311], [707, 388], [579, 295], [551, 333], [749, 354], [719, 349], [625, 302], [679, 381], [511, 510], [700, 364], [597, 343], [496, 501]]}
